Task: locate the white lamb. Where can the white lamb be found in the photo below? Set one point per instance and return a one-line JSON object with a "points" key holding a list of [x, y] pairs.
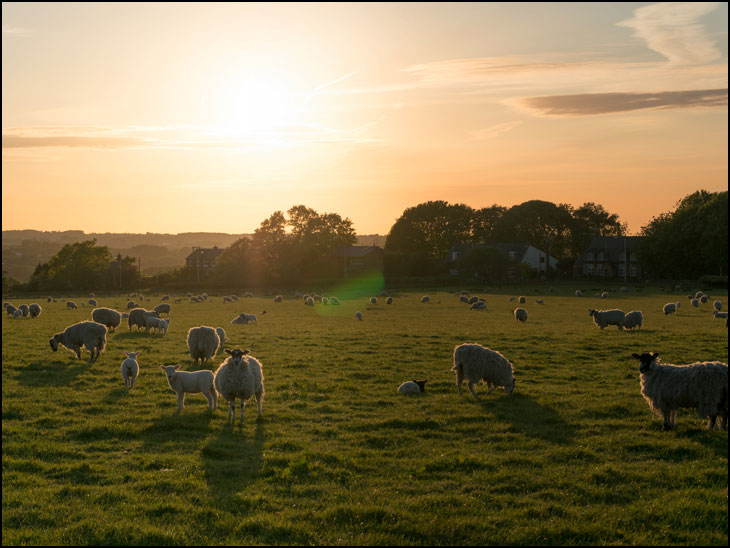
{"points": [[633, 319], [151, 322], [92, 335], [203, 343], [520, 314], [130, 368], [475, 363], [409, 388], [245, 318], [191, 382], [240, 376], [602, 318]]}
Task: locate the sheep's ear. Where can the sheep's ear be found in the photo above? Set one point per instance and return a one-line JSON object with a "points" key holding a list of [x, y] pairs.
{"points": [[635, 355], [177, 367], [162, 367], [654, 355], [228, 351], [126, 354], [246, 352]]}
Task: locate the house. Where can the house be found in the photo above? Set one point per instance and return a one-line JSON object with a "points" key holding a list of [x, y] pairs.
{"points": [[610, 257], [203, 260], [518, 253], [356, 259]]}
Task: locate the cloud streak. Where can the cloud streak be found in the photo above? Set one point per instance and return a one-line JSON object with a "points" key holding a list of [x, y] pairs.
{"points": [[588, 104]]}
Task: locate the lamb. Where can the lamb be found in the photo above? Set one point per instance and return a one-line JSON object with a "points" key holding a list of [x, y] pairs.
{"points": [[130, 368], [633, 319], [203, 343], [107, 316], [425, 299], [163, 308], [92, 335], [522, 300], [23, 309], [358, 315], [17, 314], [191, 382], [475, 363], [240, 376], [278, 298], [520, 314], [701, 385], [71, 304], [245, 318], [152, 322], [478, 305], [717, 305], [602, 318], [35, 310], [138, 317], [670, 308], [409, 388]]}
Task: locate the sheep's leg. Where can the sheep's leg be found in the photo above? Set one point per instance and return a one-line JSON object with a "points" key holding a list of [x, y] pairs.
{"points": [[180, 401], [232, 410], [214, 397], [459, 378], [242, 402], [713, 420], [491, 388], [667, 425], [471, 387], [260, 399]]}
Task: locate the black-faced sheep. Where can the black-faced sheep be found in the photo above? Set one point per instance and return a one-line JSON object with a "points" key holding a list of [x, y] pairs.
{"points": [[412, 387], [92, 335], [475, 363]]}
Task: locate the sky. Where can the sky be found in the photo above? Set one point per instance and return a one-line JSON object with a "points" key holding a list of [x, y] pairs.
{"points": [[131, 117]]}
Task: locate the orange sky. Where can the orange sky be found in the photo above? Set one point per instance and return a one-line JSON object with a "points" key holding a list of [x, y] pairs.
{"points": [[209, 117]]}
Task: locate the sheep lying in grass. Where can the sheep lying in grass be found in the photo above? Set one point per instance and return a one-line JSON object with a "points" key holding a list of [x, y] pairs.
{"points": [[701, 385], [240, 376], [520, 314], [203, 343], [107, 316], [92, 335], [425, 299], [633, 319], [245, 318], [412, 387], [71, 305], [130, 369], [34, 310], [602, 318], [191, 382], [475, 363]]}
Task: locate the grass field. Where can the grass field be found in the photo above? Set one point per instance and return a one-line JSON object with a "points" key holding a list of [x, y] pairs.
{"points": [[572, 456]]}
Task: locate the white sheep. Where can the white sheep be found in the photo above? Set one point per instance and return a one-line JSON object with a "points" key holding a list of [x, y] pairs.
{"points": [[245, 318], [248, 295], [475, 363], [309, 301], [71, 305], [203, 343], [373, 300], [521, 299], [717, 305], [138, 317], [358, 315], [131, 304], [92, 302], [703, 299], [191, 382], [604, 295], [17, 314], [602, 318], [221, 335], [92, 335], [698, 294], [409, 388], [108, 317], [227, 299], [240, 376], [34, 310], [670, 308], [478, 305], [152, 322], [695, 302], [10, 309], [163, 308], [633, 319], [520, 314], [425, 299], [278, 298], [130, 368], [701, 385], [334, 301], [578, 293], [23, 309]]}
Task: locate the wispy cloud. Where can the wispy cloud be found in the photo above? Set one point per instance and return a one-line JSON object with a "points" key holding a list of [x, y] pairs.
{"points": [[16, 31], [605, 103], [671, 28], [495, 130]]}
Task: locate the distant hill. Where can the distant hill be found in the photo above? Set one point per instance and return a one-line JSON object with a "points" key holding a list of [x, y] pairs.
{"points": [[22, 250]]}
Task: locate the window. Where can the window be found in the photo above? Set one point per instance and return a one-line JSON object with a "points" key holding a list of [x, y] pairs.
{"points": [[511, 272], [621, 270], [513, 255], [600, 255], [590, 257], [622, 256], [634, 270], [599, 269], [588, 269]]}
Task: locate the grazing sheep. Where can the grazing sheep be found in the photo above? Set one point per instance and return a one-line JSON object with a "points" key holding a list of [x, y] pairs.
{"points": [[703, 299], [717, 305], [309, 301], [138, 317], [23, 309], [701, 385], [633, 319], [412, 387], [203, 343], [578, 293], [10, 309], [130, 368], [165, 298], [245, 318], [479, 305], [131, 304], [239, 376], [108, 317], [358, 315], [221, 335], [425, 299], [695, 302], [373, 300], [278, 298], [522, 300], [92, 335], [191, 382], [153, 322], [464, 299], [17, 314], [602, 318], [670, 308], [389, 300], [334, 301], [92, 302], [475, 363], [717, 314], [71, 304], [604, 295], [163, 308], [227, 300], [520, 314], [472, 300], [35, 310]]}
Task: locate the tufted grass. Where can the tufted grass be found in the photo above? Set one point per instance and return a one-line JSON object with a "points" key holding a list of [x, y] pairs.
{"points": [[573, 456]]}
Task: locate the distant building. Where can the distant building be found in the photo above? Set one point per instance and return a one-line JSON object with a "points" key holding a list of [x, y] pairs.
{"points": [[203, 260], [610, 257], [356, 259], [518, 253]]}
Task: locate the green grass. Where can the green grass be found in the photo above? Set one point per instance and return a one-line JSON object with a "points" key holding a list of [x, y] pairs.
{"points": [[573, 456]]}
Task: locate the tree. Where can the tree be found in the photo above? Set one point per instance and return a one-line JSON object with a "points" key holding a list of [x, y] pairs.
{"points": [[81, 265], [591, 220], [542, 224], [483, 222], [486, 263]]}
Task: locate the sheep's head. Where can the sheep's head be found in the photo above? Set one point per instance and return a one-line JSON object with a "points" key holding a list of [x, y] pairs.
{"points": [[510, 387], [592, 312], [170, 370], [646, 360], [236, 355], [54, 341], [132, 355], [421, 384]]}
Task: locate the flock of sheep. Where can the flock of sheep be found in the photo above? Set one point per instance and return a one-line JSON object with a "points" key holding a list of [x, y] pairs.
{"points": [[666, 388]]}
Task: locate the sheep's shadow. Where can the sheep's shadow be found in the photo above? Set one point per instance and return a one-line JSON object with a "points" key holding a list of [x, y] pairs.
{"points": [[713, 440], [530, 418], [115, 395], [233, 460], [179, 428], [53, 373]]}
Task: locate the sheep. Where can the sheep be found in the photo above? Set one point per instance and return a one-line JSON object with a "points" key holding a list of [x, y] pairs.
{"points": [[153, 322], [695, 302], [334, 301], [717, 314], [358, 315], [71, 305], [472, 300], [670, 308], [163, 308], [475, 363], [309, 301], [227, 299], [107, 316], [464, 299], [717, 305], [92, 335], [239, 376], [191, 382], [248, 295], [520, 314], [203, 343], [389, 300], [49, 299], [23, 309], [245, 318], [479, 305], [578, 293], [522, 300], [602, 318], [278, 298], [701, 385], [92, 302], [221, 335], [35, 310], [130, 369], [131, 304], [325, 301], [234, 298], [165, 298], [698, 294], [10, 309], [425, 299], [539, 301], [703, 299], [633, 319], [17, 314], [373, 300], [412, 387], [137, 316], [604, 295]]}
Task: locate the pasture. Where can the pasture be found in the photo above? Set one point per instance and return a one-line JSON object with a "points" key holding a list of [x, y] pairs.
{"points": [[572, 456]]}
